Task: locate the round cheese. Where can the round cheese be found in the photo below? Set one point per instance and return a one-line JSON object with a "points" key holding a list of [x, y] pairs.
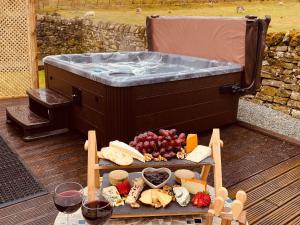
{"points": [[183, 174], [117, 176]]}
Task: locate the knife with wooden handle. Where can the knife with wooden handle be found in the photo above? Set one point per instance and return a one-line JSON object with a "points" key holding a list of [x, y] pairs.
{"points": [[242, 196], [237, 208], [218, 205], [222, 192]]}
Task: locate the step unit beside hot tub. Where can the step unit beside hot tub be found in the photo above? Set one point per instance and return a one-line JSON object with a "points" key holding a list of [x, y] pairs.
{"points": [[46, 115]]}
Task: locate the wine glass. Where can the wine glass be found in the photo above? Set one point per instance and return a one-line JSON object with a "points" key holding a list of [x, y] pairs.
{"points": [[96, 210], [68, 197]]}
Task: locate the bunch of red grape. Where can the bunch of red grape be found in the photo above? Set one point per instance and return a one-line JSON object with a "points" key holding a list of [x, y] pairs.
{"points": [[166, 144]]}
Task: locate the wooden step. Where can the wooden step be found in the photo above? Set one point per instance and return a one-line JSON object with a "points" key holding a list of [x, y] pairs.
{"points": [[48, 98], [22, 115]]}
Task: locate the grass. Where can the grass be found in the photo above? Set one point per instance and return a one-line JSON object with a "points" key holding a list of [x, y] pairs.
{"points": [[284, 17], [42, 83]]}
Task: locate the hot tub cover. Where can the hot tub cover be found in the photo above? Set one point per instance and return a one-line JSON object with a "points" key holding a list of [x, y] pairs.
{"points": [[233, 39], [123, 69]]}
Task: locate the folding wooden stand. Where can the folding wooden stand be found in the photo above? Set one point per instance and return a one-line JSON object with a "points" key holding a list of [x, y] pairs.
{"points": [[95, 168]]}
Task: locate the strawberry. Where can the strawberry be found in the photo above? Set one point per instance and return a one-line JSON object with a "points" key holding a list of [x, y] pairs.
{"points": [[123, 188], [201, 199]]}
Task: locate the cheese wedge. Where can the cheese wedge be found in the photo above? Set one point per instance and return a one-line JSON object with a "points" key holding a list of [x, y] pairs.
{"points": [[126, 149], [116, 156], [199, 153], [146, 197], [194, 185], [112, 195], [191, 142], [164, 198]]}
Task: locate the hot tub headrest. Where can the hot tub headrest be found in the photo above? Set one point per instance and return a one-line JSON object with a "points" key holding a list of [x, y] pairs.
{"points": [[234, 39]]}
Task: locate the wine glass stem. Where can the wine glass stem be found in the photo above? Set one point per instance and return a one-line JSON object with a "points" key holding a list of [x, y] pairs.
{"points": [[68, 219]]}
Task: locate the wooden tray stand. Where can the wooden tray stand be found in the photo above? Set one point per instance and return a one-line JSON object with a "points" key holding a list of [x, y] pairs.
{"points": [[227, 215]]}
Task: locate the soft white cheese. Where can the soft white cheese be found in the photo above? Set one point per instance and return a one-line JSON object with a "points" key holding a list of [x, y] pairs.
{"points": [[182, 196]]}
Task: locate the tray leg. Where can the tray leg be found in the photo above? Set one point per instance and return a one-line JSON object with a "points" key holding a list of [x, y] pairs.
{"points": [[205, 172], [209, 219], [225, 222]]}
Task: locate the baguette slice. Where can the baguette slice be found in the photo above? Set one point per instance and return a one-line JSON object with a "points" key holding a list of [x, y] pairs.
{"points": [[116, 156], [126, 149]]}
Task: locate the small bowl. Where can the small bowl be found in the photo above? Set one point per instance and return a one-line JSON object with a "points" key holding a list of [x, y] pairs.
{"points": [[150, 169]]}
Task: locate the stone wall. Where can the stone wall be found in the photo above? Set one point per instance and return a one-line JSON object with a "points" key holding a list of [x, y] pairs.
{"points": [[280, 88], [57, 35]]}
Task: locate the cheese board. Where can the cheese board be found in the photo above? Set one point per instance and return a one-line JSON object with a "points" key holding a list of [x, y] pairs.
{"points": [[126, 211]]}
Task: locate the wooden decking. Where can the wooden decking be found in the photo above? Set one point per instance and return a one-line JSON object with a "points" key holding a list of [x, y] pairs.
{"points": [[267, 168]]}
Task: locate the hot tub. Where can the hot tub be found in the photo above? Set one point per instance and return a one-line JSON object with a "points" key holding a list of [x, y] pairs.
{"points": [[124, 93]]}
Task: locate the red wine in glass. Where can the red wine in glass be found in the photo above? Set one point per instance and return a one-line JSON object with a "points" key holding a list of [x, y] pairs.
{"points": [[69, 201], [96, 212], [67, 198]]}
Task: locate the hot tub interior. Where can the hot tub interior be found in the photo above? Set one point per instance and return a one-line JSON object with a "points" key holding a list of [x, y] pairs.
{"points": [[136, 68]]}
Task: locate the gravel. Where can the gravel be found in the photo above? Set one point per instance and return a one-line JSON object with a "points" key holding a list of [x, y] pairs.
{"points": [[268, 118]]}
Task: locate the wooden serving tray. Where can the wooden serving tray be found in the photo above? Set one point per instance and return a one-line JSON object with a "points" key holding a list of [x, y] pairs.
{"points": [[173, 164], [147, 211]]}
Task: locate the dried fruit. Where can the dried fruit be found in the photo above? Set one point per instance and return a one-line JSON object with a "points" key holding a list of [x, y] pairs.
{"points": [[201, 199]]}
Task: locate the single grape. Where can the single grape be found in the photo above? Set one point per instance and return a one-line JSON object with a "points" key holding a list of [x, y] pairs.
{"points": [[159, 144], [167, 155], [146, 144], [172, 132], [178, 142], [162, 151], [173, 143], [181, 136], [172, 154], [149, 138], [164, 143], [169, 148], [144, 151], [160, 138], [154, 137], [155, 154], [150, 133], [168, 138], [152, 144], [139, 145]]}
